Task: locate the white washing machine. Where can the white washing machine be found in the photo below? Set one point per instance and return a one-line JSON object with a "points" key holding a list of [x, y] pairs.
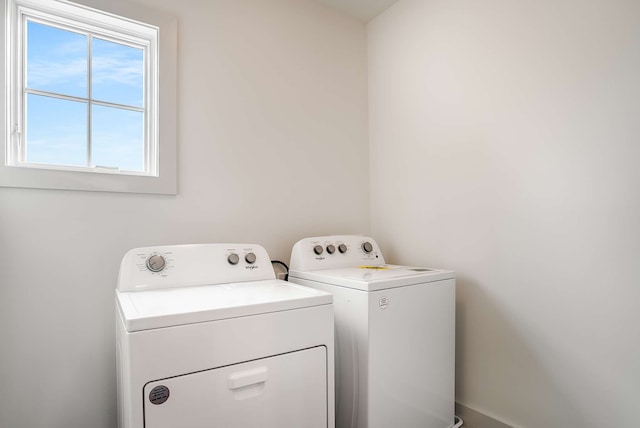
{"points": [[395, 333], [207, 337]]}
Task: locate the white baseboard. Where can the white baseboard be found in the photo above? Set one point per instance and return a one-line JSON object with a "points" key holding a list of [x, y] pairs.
{"points": [[475, 419]]}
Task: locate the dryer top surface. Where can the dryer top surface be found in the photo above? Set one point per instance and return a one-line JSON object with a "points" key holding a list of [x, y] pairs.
{"points": [[144, 310]]}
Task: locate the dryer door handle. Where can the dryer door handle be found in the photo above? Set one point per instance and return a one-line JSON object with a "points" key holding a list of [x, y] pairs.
{"points": [[248, 377]]}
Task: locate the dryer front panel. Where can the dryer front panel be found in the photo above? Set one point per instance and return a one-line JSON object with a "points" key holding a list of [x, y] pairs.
{"points": [[283, 391]]}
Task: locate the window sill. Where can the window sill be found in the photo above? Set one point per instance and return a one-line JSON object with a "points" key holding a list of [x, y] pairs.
{"points": [[38, 178]]}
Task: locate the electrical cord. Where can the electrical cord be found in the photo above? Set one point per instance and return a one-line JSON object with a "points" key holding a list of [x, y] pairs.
{"points": [[286, 273], [458, 421]]}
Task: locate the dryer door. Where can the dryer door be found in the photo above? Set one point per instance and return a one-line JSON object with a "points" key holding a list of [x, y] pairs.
{"points": [[283, 391]]}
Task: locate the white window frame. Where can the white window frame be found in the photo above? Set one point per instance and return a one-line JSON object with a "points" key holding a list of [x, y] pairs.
{"points": [[115, 20], [91, 23]]}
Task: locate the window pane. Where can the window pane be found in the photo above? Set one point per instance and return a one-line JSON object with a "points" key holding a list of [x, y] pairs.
{"points": [[56, 131], [117, 72], [118, 138], [56, 60]]}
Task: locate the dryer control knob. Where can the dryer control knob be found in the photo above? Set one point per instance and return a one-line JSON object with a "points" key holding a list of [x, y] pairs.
{"points": [[318, 249], [331, 249], [156, 263], [250, 258], [233, 259], [367, 247], [342, 248]]}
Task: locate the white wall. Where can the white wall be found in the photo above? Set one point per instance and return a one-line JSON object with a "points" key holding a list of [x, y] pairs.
{"points": [[504, 145], [272, 118]]}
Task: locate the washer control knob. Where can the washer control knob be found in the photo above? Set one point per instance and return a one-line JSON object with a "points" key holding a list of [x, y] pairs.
{"points": [[156, 263], [342, 248], [233, 259], [318, 249], [367, 247], [331, 249], [250, 258]]}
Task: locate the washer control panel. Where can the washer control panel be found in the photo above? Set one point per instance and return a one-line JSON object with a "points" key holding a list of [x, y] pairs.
{"points": [[189, 265], [328, 252]]}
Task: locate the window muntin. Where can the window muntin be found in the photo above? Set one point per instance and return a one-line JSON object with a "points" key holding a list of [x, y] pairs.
{"points": [[103, 63]]}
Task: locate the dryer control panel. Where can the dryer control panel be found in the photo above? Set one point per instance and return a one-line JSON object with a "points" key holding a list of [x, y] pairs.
{"points": [[174, 266], [336, 251]]}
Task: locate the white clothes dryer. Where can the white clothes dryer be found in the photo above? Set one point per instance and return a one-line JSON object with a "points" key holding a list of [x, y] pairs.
{"points": [[395, 333], [207, 337]]}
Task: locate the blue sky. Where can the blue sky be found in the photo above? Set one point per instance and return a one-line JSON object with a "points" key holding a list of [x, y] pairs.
{"points": [[56, 128]]}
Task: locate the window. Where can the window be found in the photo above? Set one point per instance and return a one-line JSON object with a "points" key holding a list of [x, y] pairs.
{"points": [[78, 87], [83, 99]]}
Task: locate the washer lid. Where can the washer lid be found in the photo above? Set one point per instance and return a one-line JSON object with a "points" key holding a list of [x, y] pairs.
{"points": [[144, 310], [373, 278]]}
